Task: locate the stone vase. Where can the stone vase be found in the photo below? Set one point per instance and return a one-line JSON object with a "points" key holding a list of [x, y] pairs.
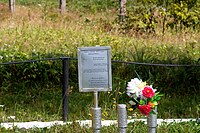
{"points": [[152, 123]]}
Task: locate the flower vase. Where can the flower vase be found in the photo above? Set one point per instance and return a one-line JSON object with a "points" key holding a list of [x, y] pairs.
{"points": [[152, 123]]}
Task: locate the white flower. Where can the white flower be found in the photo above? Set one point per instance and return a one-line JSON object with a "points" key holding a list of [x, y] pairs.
{"points": [[1, 106], [134, 86]]}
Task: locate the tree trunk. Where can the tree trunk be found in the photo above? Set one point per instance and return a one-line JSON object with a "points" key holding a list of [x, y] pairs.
{"points": [[62, 6], [122, 11], [12, 5]]}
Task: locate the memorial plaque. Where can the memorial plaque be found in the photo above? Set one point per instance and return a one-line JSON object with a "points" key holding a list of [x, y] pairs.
{"points": [[94, 66]]}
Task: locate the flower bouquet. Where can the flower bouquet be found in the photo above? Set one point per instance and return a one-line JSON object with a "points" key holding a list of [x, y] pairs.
{"points": [[143, 96]]}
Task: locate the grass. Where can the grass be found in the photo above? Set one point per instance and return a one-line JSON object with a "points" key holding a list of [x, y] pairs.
{"points": [[47, 106]]}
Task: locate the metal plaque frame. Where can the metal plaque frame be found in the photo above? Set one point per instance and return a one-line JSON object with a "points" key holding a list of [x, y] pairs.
{"points": [[94, 69]]}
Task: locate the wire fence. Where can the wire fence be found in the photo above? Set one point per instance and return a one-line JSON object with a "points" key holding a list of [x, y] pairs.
{"points": [[118, 61]]}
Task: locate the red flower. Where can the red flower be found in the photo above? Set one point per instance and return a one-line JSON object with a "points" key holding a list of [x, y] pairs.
{"points": [[148, 92], [144, 109]]}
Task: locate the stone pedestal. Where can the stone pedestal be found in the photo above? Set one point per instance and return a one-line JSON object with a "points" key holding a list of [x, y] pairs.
{"points": [[122, 118], [96, 119], [152, 123]]}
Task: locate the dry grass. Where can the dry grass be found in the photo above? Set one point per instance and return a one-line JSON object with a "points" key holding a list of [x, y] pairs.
{"points": [[51, 18], [86, 22]]}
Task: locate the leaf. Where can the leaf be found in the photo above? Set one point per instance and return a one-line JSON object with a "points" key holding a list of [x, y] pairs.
{"points": [[142, 102], [157, 98], [155, 103], [157, 94]]}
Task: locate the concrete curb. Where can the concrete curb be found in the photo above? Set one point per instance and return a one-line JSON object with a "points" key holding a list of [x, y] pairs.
{"points": [[87, 123]]}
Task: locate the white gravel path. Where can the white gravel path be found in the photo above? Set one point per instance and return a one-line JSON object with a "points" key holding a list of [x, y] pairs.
{"points": [[37, 124]]}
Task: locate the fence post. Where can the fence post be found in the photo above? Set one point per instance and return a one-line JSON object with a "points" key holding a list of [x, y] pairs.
{"points": [[65, 82], [152, 122], [96, 115], [122, 118], [12, 5], [62, 6]]}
